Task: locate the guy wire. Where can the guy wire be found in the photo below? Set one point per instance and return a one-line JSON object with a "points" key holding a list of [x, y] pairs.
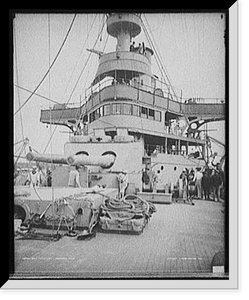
{"points": [[50, 116]]}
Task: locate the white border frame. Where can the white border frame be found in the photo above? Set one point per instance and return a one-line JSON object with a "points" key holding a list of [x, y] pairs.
{"points": [[232, 282]]}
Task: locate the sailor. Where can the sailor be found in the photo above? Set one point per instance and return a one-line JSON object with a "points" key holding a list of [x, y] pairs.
{"points": [[40, 177], [145, 178], [174, 180], [18, 178], [191, 186], [132, 47], [34, 177], [206, 181], [154, 181], [180, 187], [187, 190], [143, 48], [122, 183], [118, 51], [184, 185], [49, 178], [74, 177], [216, 183], [198, 182], [140, 48]]}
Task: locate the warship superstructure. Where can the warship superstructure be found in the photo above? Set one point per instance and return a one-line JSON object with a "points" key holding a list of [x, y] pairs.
{"points": [[133, 116]]}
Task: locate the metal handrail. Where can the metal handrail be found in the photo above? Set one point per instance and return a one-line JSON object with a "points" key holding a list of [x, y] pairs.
{"points": [[165, 88], [90, 91]]}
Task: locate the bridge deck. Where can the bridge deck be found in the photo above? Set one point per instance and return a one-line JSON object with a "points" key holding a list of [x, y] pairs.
{"points": [[191, 110]]}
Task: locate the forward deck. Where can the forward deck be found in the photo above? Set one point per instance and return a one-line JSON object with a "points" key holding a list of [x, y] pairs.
{"points": [[180, 240]]}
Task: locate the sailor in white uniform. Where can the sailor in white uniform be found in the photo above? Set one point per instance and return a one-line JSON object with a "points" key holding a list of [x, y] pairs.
{"points": [[122, 183]]}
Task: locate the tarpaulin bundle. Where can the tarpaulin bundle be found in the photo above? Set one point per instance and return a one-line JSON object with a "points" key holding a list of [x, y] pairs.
{"points": [[130, 214]]}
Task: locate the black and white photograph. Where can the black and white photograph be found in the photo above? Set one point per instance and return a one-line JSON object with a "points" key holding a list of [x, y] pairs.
{"points": [[120, 146]]}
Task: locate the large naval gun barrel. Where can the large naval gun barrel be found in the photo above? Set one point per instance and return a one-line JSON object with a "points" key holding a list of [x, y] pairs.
{"points": [[57, 159], [104, 161]]}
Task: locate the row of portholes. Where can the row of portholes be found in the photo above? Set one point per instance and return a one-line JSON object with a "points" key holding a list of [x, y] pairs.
{"points": [[162, 168]]}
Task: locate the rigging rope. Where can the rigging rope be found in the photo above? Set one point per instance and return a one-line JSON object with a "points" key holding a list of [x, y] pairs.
{"points": [[49, 99], [39, 95], [17, 80], [83, 111], [62, 113], [105, 43], [23, 148], [157, 54], [26, 139], [45, 75], [82, 49]]}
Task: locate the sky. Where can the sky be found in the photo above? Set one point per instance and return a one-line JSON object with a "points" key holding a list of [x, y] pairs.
{"points": [[191, 47]]}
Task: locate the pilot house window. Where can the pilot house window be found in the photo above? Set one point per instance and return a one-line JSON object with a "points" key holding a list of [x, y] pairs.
{"points": [[127, 109], [144, 112], [107, 110], [124, 109], [116, 109], [151, 114], [157, 115], [92, 117], [135, 110]]}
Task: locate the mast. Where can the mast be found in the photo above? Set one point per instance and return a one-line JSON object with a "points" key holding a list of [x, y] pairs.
{"points": [[207, 144], [124, 27]]}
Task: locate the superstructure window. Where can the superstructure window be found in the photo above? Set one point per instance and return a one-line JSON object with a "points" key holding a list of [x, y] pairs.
{"points": [[151, 114], [85, 119], [127, 109], [101, 111], [97, 114], [116, 109], [107, 110], [124, 109], [144, 112], [92, 117], [135, 110], [157, 115], [72, 121]]}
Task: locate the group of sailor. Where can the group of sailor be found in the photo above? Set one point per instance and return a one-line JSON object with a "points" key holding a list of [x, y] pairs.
{"points": [[141, 48]]}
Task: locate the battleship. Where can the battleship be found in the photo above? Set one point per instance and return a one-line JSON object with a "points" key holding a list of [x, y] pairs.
{"points": [[130, 122]]}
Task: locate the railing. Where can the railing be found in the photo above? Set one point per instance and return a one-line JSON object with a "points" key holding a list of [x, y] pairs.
{"points": [[60, 114], [216, 109], [153, 94], [111, 14], [68, 105], [125, 55], [203, 100], [154, 149], [160, 89]]}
